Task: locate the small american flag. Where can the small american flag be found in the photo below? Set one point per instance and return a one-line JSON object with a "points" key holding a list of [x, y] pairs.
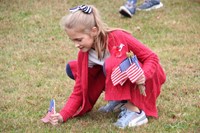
{"points": [[129, 68], [51, 111]]}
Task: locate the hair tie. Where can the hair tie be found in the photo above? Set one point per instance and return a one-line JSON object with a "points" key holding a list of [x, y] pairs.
{"points": [[83, 8]]}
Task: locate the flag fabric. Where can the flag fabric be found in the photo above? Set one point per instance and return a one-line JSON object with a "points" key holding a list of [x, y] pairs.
{"points": [[128, 69], [119, 75], [134, 72], [51, 111]]}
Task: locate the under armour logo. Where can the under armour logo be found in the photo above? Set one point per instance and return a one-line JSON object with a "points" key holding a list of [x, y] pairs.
{"points": [[120, 47]]}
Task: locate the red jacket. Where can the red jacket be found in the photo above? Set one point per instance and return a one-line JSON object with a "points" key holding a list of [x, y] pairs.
{"points": [[90, 82]]}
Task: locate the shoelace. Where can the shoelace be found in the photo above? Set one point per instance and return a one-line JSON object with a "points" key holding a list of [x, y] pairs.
{"points": [[123, 112], [123, 119], [146, 1], [129, 3]]}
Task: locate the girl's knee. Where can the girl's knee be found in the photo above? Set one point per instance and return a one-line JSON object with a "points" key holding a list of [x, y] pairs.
{"points": [[69, 71]]}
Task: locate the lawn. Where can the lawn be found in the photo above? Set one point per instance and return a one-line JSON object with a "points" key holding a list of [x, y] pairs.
{"points": [[34, 52]]}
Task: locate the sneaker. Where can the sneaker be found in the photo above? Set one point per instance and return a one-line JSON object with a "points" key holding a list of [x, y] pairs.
{"points": [[128, 9], [131, 119], [149, 5], [112, 106]]}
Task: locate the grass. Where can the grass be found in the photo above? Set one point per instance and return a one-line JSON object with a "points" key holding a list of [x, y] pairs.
{"points": [[34, 51]]}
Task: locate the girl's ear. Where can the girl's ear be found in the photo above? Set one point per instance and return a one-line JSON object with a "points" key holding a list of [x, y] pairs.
{"points": [[94, 31]]}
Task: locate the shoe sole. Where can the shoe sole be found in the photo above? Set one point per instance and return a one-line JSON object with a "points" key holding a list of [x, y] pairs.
{"points": [[153, 7], [125, 12], [135, 124]]}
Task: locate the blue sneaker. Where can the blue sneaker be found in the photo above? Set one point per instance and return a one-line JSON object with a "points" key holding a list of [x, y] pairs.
{"points": [[128, 9], [149, 5], [112, 106], [129, 118]]}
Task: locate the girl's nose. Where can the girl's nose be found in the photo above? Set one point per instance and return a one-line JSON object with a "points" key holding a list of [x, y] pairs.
{"points": [[77, 45]]}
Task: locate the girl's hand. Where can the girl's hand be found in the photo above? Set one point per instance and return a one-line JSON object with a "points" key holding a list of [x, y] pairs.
{"points": [[142, 89], [141, 85], [55, 119]]}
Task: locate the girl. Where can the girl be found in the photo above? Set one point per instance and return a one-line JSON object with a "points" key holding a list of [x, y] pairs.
{"points": [[102, 50]]}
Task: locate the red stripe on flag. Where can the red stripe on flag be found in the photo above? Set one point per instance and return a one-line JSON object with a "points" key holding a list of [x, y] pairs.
{"points": [[118, 76], [134, 72]]}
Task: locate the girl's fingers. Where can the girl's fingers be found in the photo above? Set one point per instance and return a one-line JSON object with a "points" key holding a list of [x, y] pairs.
{"points": [[55, 115], [54, 121], [142, 90]]}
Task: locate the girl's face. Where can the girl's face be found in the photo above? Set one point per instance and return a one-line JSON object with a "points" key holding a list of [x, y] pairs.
{"points": [[83, 41]]}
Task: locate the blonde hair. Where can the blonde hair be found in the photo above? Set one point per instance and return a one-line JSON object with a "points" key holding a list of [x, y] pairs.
{"points": [[83, 22]]}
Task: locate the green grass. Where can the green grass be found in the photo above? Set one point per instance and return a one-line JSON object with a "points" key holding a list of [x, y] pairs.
{"points": [[34, 51]]}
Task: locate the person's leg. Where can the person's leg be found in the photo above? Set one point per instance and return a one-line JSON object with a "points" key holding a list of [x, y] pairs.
{"points": [[150, 4], [96, 83], [69, 72], [131, 107], [111, 106], [128, 9], [71, 69]]}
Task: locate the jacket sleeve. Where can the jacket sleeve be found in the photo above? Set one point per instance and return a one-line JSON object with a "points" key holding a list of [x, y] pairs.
{"points": [[74, 101], [146, 56]]}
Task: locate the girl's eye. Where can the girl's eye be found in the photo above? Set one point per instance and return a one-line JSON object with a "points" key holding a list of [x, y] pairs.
{"points": [[77, 40]]}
